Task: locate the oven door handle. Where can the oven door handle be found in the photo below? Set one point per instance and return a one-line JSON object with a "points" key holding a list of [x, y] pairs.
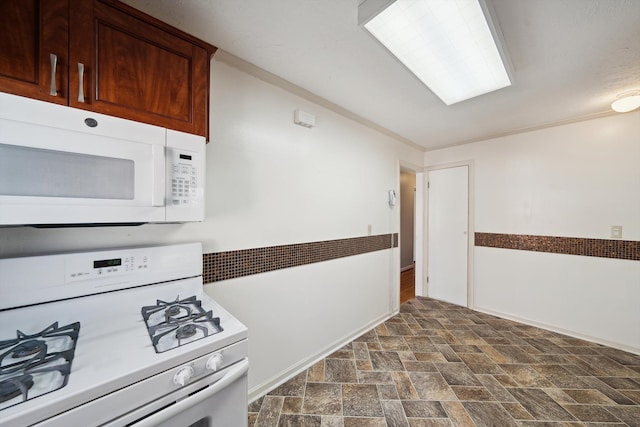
{"points": [[159, 417]]}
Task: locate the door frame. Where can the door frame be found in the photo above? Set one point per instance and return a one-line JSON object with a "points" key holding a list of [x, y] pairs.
{"points": [[470, 224]]}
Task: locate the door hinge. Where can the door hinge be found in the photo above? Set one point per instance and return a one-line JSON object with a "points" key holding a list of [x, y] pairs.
{"points": [[428, 184], [427, 279]]}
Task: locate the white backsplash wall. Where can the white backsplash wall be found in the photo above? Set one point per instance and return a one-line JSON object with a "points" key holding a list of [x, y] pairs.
{"points": [[575, 180], [271, 182]]}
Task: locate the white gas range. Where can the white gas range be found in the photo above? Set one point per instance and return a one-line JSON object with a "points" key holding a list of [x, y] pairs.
{"points": [[118, 337]]}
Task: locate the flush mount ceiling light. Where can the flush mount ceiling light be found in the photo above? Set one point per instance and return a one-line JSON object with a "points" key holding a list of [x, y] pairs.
{"points": [[626, 102], [452, 46]]}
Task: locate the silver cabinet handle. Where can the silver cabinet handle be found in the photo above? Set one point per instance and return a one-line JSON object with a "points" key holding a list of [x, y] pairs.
{"points": [[54, 61], [80, 82]]}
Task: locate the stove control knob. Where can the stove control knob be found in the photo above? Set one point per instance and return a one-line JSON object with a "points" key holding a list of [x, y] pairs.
{"points": [[214, 362], [183, 376]]}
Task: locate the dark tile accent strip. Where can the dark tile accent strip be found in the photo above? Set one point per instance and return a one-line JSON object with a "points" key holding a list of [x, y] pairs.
{"points": [[218, 266], [604, 248]]}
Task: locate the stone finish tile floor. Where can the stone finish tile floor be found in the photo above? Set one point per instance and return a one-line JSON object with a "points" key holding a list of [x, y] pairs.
{"points": [[438, 364]]}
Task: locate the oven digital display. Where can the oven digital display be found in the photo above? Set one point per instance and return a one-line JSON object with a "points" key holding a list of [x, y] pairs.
{"points": [[107, 263], [185, 157]]}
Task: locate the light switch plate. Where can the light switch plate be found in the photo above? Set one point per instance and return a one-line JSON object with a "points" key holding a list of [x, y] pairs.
{"points": [[616, 232]]}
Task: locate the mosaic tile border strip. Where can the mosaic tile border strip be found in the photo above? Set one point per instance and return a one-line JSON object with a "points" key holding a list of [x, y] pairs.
{"points": [[603, 248], [218, 266]]}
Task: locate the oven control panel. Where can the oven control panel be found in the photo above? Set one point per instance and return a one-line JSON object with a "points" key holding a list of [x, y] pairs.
{"points": [[184, 177], [108, 267]]}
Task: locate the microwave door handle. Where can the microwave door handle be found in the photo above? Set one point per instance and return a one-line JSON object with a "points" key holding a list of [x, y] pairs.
{"points": [[230, 377], [157, 180]]}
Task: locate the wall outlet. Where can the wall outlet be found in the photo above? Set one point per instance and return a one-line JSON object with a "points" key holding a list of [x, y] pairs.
{"points": [[616, 232]]}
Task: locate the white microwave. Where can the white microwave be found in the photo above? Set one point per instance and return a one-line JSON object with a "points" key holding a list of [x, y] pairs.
{"points": [[61, 166]]}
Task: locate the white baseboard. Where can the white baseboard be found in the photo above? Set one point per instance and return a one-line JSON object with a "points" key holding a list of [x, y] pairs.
{"points": [[284, 376], [553, 328], [408, 267]]}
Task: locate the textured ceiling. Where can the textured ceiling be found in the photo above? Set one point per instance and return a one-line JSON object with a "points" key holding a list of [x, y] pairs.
{"points": [[569, 60]]}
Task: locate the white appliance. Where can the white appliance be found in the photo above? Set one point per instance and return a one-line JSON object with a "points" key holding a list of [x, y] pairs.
{"points": [[61, 165], [123, 337]]}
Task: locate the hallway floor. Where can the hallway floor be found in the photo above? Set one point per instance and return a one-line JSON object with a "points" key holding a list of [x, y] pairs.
{"points": [[437, 364]]}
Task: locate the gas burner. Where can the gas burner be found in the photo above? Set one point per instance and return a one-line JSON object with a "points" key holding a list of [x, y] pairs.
{"points": [[29, 348], [14, 387], [175, 323], [33, 365]]}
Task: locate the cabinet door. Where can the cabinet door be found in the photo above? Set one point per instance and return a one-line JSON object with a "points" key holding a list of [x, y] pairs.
{"points": [[32, 30], [139, 71]]}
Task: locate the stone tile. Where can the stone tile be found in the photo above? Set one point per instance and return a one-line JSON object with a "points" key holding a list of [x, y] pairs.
{"points": [[560, 377], [364, 365], [386, 361], [361, 400], [612, 394], [420, 344], [546, 346], [431, 386], [620, 356], [269, 412], [342, 354], [404, 386], [540, 405], [430, 357], [398, 329], [457, 414], [293, 387], [423, 409], [591, 397], [394, 343], [526, 375], [626, 414], [457, 374], [360, 350], [290, 420], [394, 414], [407, 356], [322, 399], [489, 414], [292, 405], [369, 336], [364, 422], [609, 367], [514, 354], [517, 411], [496, 389], [374, 346], [429, 422], [256, 404], [419, 366], [632, 394], [372, 377], [621, 383], [340, 371], [332, 421], [591, 413], [251, 419], [448, 353], [465, 393], [315, 373], [559, 396], [388, 392]]}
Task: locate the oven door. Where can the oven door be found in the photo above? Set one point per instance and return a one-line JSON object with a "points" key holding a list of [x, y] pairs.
{"points": [[216, 400]]}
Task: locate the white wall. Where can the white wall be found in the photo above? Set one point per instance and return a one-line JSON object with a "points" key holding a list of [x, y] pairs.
{"points": [[270, 182], [575, 180]]}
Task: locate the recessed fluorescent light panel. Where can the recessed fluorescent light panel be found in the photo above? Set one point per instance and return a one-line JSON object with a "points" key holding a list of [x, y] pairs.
{"points": [[447, 44]]}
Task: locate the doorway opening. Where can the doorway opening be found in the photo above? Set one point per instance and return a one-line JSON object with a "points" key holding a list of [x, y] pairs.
{"points": [[407, 235]]}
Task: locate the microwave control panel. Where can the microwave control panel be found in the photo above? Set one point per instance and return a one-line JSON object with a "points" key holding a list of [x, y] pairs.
{"points": [[184, 177]]}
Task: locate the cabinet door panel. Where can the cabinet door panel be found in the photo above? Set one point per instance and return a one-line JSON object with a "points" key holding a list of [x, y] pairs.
{"points": [[32, 30], [138, 70], [142, 75]]}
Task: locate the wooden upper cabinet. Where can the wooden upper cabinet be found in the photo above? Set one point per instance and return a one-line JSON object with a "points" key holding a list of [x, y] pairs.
{"points": [[116, 61], [33, 31]]}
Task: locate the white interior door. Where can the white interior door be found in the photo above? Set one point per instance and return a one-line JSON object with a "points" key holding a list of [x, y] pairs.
{"points": [[448, 219]]}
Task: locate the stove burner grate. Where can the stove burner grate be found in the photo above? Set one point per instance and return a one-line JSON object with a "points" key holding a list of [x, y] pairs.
{"points": [[14, 387], [26, 361], [175, 323]]}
